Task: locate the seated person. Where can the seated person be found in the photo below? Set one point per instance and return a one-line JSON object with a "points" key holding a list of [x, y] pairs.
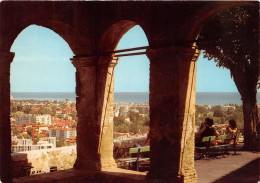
{"points": [[206, 129], [231, 129]]}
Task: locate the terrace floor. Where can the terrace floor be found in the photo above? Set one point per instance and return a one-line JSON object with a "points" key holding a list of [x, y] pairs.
{"points": [[240, 168]]}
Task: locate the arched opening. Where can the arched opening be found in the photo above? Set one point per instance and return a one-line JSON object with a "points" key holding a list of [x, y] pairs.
{"points": [[126, 106], [43, 112], [131, 100], [225, 102]]}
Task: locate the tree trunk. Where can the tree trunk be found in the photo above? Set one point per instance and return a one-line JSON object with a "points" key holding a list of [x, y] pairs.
{"points": [[251, 124], [247, 87]]}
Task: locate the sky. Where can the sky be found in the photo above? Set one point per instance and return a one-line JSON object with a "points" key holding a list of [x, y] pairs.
{"points": [[42, 64]]}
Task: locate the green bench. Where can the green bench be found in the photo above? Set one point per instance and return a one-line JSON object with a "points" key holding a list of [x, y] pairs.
{"points": [[207, 143], [137, 152], [228, 137]]}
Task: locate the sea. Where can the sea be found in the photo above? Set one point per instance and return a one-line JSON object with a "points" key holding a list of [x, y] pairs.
{"points": [[202, 98]]}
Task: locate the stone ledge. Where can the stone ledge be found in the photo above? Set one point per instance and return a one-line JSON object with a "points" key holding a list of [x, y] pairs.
{"points": [[114, 175]]}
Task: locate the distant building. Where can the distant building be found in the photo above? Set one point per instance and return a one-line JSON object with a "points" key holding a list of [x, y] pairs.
{"points": [[62, 133], [19, 145], [210, 114], [24, 118], [42, 128], [43, 119], [50, 140], [71, 141], [116, 114], [21, 119], [143, 109], [226, 107], [123, 110], [207, 106]]}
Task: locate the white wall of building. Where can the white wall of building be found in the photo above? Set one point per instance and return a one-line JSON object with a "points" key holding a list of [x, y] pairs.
{"points": [[44, 119]]}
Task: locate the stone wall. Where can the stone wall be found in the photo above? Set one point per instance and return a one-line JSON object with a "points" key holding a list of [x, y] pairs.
{"points": [[41, 160], [63, 158]]}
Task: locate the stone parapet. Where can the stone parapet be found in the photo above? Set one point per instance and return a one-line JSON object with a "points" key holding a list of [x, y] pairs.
{"points": [[64, 157], [41, 160]]}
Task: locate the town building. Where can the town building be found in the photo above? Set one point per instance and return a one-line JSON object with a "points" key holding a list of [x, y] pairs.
{"points": [[43, 119], [62, 133], [21, 119], [19, 145]]}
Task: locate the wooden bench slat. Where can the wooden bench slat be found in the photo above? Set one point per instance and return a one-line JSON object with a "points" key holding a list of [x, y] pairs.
{"points": [[137, 159], [134, 150]]}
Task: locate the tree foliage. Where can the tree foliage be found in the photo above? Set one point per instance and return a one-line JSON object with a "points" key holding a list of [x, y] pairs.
{"points": [[137, 123], [15, 131], [60, 142], [36, 140], [29, 131], [231, 38]]}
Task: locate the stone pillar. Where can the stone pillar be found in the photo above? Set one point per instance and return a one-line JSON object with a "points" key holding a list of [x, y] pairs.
{"points": [[5, 129], [87, 127], [172, 105], [186, 169], [105, 104]]}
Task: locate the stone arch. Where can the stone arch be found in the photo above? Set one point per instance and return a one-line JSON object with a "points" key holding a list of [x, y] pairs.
{"points": [[77, 42], [59, 28], [195, 23], [113, 34]]}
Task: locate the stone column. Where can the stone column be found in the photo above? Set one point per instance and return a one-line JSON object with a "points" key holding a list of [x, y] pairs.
{"points": [[87, 127], [105, 87], [186, 168], [172, 105], [5, 129]]}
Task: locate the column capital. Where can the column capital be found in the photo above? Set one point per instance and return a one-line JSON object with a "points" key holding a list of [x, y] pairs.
{"points": [[84, 61], [6, 57], [173, 52], [5, 60], [108, 61]]}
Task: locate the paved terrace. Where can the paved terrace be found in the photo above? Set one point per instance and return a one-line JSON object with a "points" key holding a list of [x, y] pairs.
{"points": [[241, 168]]}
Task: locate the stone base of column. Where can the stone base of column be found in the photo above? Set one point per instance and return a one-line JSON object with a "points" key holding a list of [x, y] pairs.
{"points": [[189, 176], [88, 165], [108, 163], [166, 179], [103, 164]]}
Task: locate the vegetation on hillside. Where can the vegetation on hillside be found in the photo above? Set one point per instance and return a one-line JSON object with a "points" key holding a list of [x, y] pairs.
{"points": [[137, 123]]}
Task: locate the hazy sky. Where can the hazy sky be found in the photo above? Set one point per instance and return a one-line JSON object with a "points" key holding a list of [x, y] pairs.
{"points": [[42, 64]]}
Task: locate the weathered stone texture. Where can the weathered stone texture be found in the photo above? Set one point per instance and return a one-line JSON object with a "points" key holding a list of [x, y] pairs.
{"points": [[169, 120], [41, 160], [5, 129], [87, 130], [106, 76], [94, 28]]}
